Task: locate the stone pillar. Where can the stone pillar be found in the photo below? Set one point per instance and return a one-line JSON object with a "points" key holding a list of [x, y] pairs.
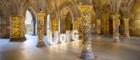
{"points": [[40, 28], [98, 28], [81, 28], [87, 52], [116, 23], [48, 23], [105, 24], [126, 25], [107, 27], [59, 26], [17, 28]]}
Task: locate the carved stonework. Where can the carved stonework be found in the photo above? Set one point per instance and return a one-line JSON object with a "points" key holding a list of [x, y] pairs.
{"points": [[126, 26], [54, 25], [105, 24], [76, 24], [116, 23], [87, 52], [98, 26], [17, 26], [40, 28], [81, 28]]}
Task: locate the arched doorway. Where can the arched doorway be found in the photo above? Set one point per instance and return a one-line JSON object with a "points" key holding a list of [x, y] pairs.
{"points": [[134, 22], [67, 23], [110, 26], [30, 23]]}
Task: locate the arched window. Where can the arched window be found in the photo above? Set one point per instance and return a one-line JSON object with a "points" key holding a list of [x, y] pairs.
{"points": [[29, 18], [29, 23]]}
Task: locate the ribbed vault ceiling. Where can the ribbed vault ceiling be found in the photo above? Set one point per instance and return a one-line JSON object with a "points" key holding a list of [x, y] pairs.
{"points": [[18, 7]]}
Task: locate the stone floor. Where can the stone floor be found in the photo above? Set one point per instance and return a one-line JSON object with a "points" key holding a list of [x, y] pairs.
{"points": [[105, 49]]}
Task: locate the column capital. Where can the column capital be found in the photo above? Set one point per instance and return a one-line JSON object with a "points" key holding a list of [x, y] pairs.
{"points": [[41, 15], [115, 16], [125, 18]]}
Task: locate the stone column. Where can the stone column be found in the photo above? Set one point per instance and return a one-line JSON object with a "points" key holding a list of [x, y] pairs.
{"points": [[81, 27], [59, 26], [40, 28], [105, 24], [98, 28], [17, 28], [87, 52], [48, 23], [126, 25], [116, 23]]}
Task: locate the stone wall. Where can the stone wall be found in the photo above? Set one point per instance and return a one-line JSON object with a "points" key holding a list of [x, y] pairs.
{"points": [[135, 28], [4, 28], [135, 22]]}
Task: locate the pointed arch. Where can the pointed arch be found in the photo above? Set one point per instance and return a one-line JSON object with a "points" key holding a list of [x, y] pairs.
{"points": [[34, 19]]}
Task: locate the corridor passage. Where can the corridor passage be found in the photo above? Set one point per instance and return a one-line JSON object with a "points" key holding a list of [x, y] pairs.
{"points": [[105, 49]]}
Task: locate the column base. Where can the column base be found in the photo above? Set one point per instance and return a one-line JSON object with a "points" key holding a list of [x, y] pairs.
{"points": [[41, 44], [116, 39], [88, 55], [98, 37], [4, 37], [127, 37], [17, 39]]}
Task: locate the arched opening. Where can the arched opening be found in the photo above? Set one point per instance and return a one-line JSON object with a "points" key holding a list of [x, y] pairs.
{"points": [[30, 23], [121, 27], [67, 23], [135, 22], [110, 26]]}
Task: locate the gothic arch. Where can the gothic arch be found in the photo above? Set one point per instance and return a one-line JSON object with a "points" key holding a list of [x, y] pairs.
{"points": [[135, 20], [67, 18], [71, 7], [34, 19]]}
